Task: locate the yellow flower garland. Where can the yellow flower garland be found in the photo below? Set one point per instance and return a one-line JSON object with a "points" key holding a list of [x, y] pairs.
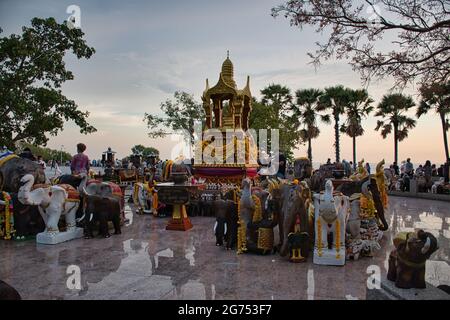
{"points": [[8, 217], [338, 238], [242, 233], [257, 214], [367, 206], [319, 236]]}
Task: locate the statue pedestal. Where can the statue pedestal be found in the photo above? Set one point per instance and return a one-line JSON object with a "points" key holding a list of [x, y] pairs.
{"points": [[329, 257], [177, 195], [180, 221], [388, 291], [55, 238]]}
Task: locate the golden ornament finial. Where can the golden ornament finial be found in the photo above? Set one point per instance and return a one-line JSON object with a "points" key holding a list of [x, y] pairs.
{"points": [[228, 54]]}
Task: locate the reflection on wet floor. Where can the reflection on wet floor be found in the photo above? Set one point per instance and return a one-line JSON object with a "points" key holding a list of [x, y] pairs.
{"points": [[148, 262]]}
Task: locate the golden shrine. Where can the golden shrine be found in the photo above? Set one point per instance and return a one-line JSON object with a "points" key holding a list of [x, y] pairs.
{"points": [[228, 108]]}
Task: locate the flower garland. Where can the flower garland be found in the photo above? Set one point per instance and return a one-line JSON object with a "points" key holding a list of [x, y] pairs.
{"points": [[319, 236], [8, 218], [338, 238], [367, 206], [242, 233], [257, 214]]}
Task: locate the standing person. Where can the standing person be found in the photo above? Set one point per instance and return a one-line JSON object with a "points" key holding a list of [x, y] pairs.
{"points": [[347, 168], [41, 162], [281, 166], [396, 168], [27, 154], [329, 161], [368, 167], [402, 168], [409, 167], [419, 170], [80, 162], [427, 170], [434, 172]]}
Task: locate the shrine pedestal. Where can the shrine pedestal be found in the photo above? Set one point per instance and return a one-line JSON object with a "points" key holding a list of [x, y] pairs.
{"points": [[177, 195], [179, 221]]}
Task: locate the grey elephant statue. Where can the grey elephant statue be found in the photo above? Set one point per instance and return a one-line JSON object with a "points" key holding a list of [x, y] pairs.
{"points": [[107, 189], [13, 168], [407, 261], [101, 209], [27, 220], [255, 223], [295, 220], [225, 228], [302, 169]]}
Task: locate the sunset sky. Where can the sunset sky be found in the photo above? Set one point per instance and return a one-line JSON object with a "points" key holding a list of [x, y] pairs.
{"points": [[145, 50]]}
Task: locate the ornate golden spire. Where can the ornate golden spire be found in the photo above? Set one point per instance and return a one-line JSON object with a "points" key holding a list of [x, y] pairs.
{"points": [[228, 71]]}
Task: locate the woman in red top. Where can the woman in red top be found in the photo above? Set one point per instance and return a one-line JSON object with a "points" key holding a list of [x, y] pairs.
{"points": [[80, 161]]}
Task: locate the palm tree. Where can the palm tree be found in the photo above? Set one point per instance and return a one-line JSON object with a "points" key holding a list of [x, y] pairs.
{"points": [[305, 112], [335, 99], [392, 109], [359, 106], [437, 97]]}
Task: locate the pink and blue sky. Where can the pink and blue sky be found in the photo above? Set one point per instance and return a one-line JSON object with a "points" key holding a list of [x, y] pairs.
{"points": [[145, 50]]}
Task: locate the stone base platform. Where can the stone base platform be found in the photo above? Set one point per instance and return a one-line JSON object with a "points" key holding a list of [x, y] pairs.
{"points": [[48, 238], [389, 291]]}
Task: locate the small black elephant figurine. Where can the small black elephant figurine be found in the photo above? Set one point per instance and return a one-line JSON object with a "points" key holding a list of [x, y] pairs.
{"points": [[101, 209], [225, 228], [407, 261]]}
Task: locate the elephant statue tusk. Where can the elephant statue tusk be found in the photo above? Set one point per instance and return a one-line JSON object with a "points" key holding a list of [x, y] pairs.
{"points": [[90, 218], [81, 218], [225, 226], [85, 192], [426, 246], [215, 227]]}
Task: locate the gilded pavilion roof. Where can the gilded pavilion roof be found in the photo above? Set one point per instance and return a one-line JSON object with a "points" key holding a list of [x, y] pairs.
{"points": [[226, 84]]}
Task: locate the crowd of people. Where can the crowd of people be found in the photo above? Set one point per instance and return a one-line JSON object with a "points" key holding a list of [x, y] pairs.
{"points": [[406, 171]]}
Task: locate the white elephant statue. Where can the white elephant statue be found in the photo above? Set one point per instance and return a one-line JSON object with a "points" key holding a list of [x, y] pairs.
{"points": [[52, 202], [330, 212], [353, 227], [144, 198]]}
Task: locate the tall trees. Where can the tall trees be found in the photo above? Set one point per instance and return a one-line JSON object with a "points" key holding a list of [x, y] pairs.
{"points": [[437, 97], [144, 151], [335, 99], [392, 109], [306, 113], [32, 71], [272, 112], [354, 29], [179, 114], [359, 106]]}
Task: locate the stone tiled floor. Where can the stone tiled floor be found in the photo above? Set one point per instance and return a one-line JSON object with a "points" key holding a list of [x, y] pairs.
{"points": [[148, 262]]}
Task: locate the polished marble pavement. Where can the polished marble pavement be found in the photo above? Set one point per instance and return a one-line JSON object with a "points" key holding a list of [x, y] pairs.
{"points": [[148, 262]]}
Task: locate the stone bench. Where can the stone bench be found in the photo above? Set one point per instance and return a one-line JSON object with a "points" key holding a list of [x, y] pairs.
{"points": [[389, 291]]}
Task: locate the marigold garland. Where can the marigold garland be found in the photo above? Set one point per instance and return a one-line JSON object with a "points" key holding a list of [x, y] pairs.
{"points": [[319, 236], [367, 206], [8, 217], [338, 238], [257, 214]]}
